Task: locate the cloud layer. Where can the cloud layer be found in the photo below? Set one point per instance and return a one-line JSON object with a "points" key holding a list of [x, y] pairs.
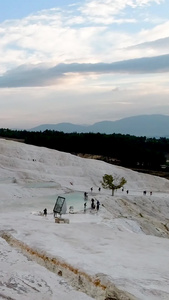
{"points": [[25, 76]]}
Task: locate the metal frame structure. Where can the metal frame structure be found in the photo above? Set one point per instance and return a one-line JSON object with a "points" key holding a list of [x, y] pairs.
{"points": [[59, 205]]}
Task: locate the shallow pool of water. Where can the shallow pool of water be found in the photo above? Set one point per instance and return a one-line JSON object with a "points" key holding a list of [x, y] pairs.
{"points": [[75, 199]]}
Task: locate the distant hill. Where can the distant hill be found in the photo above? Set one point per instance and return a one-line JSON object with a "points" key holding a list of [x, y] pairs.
{"points": [[142, 125]]}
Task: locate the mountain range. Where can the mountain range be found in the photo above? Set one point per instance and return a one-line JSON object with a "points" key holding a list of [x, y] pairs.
{"points": [[155, 125]]}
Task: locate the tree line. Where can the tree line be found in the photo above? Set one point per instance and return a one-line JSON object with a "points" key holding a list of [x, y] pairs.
{"points": [[129, 151]]}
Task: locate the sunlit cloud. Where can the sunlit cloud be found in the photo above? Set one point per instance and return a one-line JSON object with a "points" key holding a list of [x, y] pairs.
{"points": [[51, 36], [99, 11]]}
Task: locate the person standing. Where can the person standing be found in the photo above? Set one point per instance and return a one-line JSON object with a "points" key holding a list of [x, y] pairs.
{"points": [[92, 204], [97, 205], [85, 195], [45, 212]]}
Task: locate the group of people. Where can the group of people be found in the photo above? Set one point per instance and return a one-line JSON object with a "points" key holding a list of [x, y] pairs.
{"points": [[145, 192], [123, 190], [95, 206], [99, 189]]}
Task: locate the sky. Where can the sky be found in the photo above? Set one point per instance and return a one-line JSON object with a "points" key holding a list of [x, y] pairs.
{"points": [[82, 62], [124, 246]]}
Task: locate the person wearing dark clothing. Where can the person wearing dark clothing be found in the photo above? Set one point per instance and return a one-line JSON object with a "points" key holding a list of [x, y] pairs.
{"points": [[85, 195], [97, 205], [85, 204], [92, 204], [45, 212]]}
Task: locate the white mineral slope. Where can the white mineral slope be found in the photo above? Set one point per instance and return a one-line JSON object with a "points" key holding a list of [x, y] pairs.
{"points": [[124, 246]]}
